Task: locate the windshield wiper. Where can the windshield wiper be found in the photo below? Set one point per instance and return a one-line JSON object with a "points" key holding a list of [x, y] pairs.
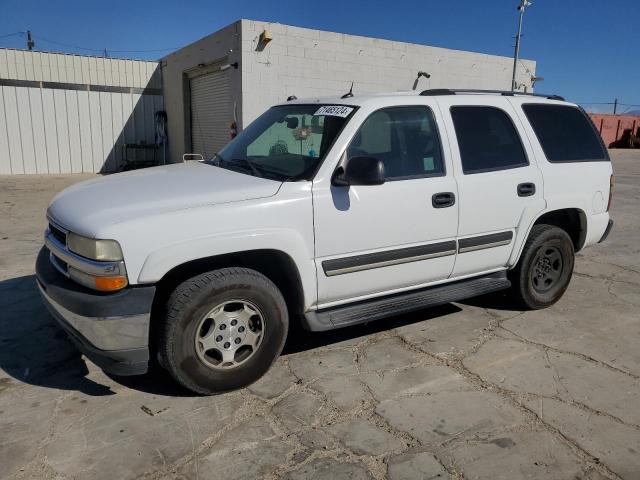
{"points": [[247, 162], [218, 161]]}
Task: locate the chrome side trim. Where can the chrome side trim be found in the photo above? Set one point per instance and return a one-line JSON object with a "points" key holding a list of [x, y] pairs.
{"points": [[91, 267], [481, 242], [368, 261], [389, 263], [484, 245]]}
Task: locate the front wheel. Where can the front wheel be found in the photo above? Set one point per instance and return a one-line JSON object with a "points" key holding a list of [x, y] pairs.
{"points": [[223, 330], [545, 267]]}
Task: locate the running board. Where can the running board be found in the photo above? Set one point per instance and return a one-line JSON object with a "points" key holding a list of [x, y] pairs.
{"points": [[378, 308]]}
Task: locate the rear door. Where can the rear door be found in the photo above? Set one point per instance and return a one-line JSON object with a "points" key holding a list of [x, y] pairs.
{"points": [[499, 182], [373, 240]]}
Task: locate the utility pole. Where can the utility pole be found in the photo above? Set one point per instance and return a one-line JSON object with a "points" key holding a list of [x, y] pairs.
{"points": [[30, 42], [615, 106], [523, 4]]}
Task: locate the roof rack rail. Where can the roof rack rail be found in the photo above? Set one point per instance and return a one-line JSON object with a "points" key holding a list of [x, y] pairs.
{"points": [[506, 93]]}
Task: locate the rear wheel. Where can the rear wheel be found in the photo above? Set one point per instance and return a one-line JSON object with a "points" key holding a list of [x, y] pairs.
{"points": [[545, 267], [223, 330]]}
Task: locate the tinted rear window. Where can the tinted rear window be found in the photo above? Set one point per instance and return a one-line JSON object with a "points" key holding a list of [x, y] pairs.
{"points": [[565, 133], [487, 138]]}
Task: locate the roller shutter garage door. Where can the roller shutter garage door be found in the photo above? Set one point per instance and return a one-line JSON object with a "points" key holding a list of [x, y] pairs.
{"points": [[210, 112]]}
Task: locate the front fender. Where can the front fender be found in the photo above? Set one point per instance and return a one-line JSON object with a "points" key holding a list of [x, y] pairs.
{"points": [[290, 242]]}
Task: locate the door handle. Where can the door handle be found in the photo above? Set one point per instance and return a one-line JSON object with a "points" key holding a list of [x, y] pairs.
{"points": [[526, 189], [443, 199]]}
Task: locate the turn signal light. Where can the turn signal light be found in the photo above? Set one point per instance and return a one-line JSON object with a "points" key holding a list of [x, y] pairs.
{"points": [[110, 284]]}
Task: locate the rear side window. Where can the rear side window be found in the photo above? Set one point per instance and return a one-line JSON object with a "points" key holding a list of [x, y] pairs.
{"points": [[565, 133], [487, 138]]}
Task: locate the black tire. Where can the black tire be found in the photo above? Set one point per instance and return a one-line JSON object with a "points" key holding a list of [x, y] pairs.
{"points": [[189, 304], [539, 283]]}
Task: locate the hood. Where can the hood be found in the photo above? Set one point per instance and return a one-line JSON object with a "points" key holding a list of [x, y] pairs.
{"points": [[87, 206]]}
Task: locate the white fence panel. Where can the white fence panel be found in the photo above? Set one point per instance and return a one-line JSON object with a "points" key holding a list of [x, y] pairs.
{"points": [[26, 130], [5, 159], [73, 125], [62, 127], [38, 127], [45, 130], [85, 132], [13, 130], [50, 131]]}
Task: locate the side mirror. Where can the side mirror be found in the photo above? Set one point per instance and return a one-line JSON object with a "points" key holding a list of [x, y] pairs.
{"points": [[359, 171]]}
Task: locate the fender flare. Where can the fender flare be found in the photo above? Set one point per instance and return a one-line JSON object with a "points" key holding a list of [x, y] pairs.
{"points": [[161, 261], [521, 240]]}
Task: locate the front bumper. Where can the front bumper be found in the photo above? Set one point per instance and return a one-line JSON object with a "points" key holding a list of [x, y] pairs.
{"points": [[112, 329]]}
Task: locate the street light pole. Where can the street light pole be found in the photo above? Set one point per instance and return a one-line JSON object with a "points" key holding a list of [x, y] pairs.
{"points": [[523, 4]]}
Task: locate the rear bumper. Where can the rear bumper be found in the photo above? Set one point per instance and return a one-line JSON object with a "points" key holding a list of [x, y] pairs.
{"points": [[112, 330]]}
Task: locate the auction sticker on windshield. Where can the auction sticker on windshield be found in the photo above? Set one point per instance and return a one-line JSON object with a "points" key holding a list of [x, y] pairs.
{"points": [[334, 110]]}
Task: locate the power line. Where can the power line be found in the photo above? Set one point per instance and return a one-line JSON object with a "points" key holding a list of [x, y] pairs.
{"points": [[101, 50], [88, 49], [12, 34], [609, 103]]}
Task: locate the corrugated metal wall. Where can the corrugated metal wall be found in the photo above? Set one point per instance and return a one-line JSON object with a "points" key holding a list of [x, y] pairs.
{"points": [[69, 114]]}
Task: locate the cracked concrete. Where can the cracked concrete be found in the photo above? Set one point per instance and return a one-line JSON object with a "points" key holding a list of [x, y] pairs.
{"points": [[473, 390]]}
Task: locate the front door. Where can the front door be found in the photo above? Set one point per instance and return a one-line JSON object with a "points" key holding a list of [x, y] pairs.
{"points": [[373, 240]]}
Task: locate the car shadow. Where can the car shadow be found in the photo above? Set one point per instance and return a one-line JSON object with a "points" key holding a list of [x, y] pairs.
{"points": [[300, 340], [33, 349], [36, 351], [500, 300]]}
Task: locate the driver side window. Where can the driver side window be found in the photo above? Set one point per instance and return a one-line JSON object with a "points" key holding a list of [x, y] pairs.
{"points": [[405, 139]]}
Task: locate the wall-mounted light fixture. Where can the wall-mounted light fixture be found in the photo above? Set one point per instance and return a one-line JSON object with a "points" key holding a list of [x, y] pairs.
{"points": [[263, 40], [420, 74], [229, 65]]}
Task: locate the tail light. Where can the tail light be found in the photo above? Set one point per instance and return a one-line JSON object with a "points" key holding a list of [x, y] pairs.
{"points": [[610, 192]]}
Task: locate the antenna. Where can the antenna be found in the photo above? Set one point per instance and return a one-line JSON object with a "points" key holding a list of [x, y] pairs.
{"points": [[349, 94]]}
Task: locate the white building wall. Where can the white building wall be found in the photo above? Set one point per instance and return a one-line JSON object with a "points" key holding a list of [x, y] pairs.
{"points": [[69, 114], [309, 63]]}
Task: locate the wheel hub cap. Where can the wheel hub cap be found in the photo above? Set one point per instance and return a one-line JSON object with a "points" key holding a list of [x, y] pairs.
{"points": [[547, 269], [229, 334]]}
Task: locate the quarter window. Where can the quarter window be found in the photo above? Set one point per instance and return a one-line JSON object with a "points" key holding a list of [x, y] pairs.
{"points": [[487, 138], [565, 133], [404, 138]]}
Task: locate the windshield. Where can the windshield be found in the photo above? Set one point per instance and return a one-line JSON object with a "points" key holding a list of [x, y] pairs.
{"points": [[286, 142]]}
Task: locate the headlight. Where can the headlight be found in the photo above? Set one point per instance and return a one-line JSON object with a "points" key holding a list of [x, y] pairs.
{"points": [[107, 250]]}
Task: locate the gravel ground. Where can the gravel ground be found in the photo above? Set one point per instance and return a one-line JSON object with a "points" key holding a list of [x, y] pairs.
{"points": [[467, 390]]}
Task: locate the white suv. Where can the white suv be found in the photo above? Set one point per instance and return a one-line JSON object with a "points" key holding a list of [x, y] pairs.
{"points": [[331, 212]]}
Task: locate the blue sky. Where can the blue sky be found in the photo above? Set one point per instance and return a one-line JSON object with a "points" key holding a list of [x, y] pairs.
{"points": [[588, 51]]}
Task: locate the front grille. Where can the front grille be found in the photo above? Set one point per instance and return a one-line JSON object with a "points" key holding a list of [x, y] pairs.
{"points": [[59, 264], [58, 234]]}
